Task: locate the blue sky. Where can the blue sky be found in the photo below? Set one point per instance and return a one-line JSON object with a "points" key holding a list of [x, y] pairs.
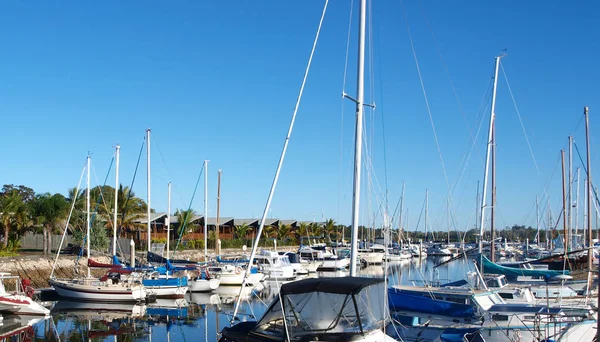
{"points": [[218, 80]]}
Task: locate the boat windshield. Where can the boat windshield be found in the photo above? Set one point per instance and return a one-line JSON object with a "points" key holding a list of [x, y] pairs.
{"points": [[323, 313]]}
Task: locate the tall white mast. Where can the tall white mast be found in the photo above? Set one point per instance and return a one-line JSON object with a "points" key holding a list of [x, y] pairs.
{"points": [[426, 212], [168, 220], [87, 205], [585, 214], [487, 154], [400, 227], [148, 181], [590, 244], [360, 90], [570, 193], [205, 206], [116, 215], [576, 205], [537, 219]]}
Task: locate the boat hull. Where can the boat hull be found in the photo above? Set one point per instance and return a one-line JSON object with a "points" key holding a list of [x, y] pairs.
{"points": [[203, 285], [98, 292]]}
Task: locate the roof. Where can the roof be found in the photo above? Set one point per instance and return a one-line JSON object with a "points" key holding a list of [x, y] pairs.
{"points": [[271, 222], [212, 221], [175, 219], [153, 217], [288, 222], [249, 221], [343, 285]]}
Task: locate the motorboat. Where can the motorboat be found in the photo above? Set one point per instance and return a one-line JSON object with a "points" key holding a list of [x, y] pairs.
{"points": [[274, 266], [232, 274], [19, 301]]}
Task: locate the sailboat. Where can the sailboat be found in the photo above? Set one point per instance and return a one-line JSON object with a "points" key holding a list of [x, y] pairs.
{"points": [[161, 285], [324, 309], [87, 288]]}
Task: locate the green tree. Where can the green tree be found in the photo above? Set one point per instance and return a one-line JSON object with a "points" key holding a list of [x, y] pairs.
{"points": [[302, 231], [241, 231], [14, 217], [284, 231], [130, 209], [330, 228], [49, 211], [185, 219]]}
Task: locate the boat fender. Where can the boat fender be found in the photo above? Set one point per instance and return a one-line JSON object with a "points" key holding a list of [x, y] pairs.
{"points": [[238, 270]]}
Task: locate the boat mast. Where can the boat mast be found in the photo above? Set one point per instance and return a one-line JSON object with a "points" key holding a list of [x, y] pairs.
{"points": [[205, 207], [448, 217], [570, 193], [537, 219], [564, 200], [168, 220], [87, 205], [360, 94], [400, 230], [493, 208], [116, 214], [426, 212], [487, 154], [148, 184], [217, 228], [589, 196], [576, 205]]}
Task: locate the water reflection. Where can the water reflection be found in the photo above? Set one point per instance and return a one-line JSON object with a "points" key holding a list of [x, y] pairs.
{"points": [[200, 316]]}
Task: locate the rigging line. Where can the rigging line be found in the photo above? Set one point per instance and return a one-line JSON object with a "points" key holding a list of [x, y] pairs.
{"points": [[343, 106], [155, 144], [446, 70], [281, 158], [385, 169], [187, 214], [520, 119], [137, 165], [412, 45], [584, 166]]}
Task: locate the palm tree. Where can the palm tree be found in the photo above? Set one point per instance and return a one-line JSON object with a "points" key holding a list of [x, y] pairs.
{"points": [[283, 231], [241, 231], [185, 220], [330, 228], [302, 231], [15, 214], [130, 209], [316, 229]]}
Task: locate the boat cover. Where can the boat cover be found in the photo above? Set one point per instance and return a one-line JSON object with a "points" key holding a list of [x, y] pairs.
{"points": [[400, 300], [344, 285], [489, 267]]}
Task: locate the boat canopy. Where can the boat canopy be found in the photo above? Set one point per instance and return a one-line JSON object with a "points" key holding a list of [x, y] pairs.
{"points": [[313, 309], [490, 267], [345, 285]]}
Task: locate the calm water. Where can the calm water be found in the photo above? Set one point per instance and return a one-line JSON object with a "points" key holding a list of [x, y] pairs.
{"points": [[199, 317]]}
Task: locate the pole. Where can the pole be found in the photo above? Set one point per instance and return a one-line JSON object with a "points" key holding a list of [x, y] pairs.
{"points": [[564, 200], [205, 208], [360, 90], [401, 231], [217, 228], [585, 213], [570, 193], [577, 207], [537, 219], [589, 194], [148, 190], [487, 154], [168, 219], [448, 217], [426, 211], [493, 208], [116, 214], [87, 204]]}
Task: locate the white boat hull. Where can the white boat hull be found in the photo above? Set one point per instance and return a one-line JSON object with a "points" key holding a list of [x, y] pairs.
{"points": [[372, 258], [167, 291], [98, 291], [334, 264], [238, 278], [203, 285], [22, 305]]}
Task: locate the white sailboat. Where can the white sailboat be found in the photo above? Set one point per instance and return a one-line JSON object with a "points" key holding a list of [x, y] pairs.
{"points": [[93, 289]]}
